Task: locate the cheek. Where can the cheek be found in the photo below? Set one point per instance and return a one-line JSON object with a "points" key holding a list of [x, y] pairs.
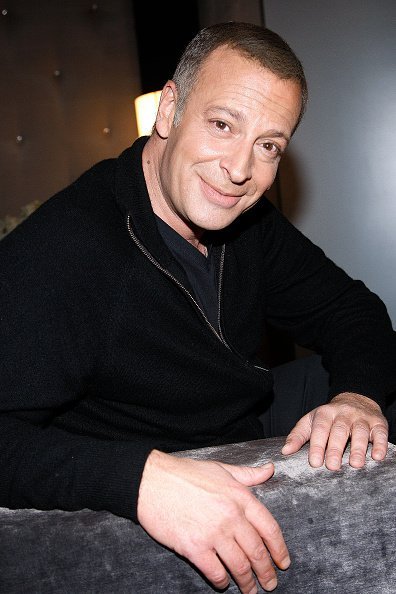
{"points": [[265, 177], [173, 167], [197, 146]]}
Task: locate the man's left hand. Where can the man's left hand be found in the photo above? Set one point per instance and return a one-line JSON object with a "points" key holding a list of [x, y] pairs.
{"points": [[329, 427]]}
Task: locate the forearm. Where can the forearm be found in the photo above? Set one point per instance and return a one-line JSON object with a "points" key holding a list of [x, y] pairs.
{"points": [[360, 349], [52, 469], [322, 308]]}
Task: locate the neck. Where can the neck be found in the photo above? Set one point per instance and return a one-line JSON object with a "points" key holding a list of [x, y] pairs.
{"points": [[203, 249]]}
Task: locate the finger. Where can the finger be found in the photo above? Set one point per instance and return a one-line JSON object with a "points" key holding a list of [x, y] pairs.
{"points": [[211, 566], [321, 427], [252, 544], [379, 437], [269, 530], [298, 436], [360, 437], [250, 475], [339, 435], [238, 565]]}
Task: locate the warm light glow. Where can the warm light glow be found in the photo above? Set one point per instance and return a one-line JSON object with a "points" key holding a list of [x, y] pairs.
{"points": [[146, 110]]}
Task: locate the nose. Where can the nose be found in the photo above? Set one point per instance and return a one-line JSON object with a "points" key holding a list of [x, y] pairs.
{"points": [[237, 162]]}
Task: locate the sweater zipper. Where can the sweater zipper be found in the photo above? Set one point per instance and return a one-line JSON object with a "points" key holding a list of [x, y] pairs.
{"points": [[219, 335], [178, 283], [220, 294]]}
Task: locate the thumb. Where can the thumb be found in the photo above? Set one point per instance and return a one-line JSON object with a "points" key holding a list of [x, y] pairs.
{"points": [[250, 475]]}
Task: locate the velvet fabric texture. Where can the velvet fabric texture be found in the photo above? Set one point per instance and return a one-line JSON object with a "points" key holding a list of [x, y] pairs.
{"points": [[340, 528]]}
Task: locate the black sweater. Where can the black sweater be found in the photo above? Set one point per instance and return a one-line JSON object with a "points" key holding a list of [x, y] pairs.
{"points": [[105, 355]]}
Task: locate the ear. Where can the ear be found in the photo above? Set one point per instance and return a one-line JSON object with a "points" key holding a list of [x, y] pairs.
{"points": [[166, 109]]}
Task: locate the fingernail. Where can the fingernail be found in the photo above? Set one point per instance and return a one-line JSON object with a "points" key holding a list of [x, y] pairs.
{"points": [[315, 461], [378, 456], [333, 464], [271, 585]]}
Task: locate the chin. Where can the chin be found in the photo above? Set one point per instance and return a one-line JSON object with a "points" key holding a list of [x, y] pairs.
{"points": [[213, 219], [216, 225]]}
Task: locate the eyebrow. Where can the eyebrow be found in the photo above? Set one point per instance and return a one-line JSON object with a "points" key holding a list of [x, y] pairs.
{"points": [[240, 117], [277, 134], [234, 114]]}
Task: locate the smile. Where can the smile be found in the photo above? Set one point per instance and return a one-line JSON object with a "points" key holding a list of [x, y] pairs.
{"points": [[215, 196]]}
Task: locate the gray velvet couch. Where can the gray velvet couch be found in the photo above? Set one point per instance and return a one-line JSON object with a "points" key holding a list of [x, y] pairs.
{"points": [[340, 528]]}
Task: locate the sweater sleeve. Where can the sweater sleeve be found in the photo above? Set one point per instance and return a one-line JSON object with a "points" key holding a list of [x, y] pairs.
{"points": [[50, 336], [324, 309]]}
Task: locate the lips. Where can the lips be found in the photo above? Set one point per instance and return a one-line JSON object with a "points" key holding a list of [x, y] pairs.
{"points": [[219, 197]]}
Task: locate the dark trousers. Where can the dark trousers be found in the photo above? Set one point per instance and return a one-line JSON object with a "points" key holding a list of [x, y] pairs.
{"points": [[299, 387]]}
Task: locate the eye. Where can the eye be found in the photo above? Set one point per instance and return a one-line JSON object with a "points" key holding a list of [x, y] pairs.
{"points": [[272, 148], [220, 125]]}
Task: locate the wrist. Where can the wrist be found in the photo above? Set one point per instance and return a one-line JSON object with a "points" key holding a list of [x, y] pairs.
{"points": [[150, 470], [355, 399]]}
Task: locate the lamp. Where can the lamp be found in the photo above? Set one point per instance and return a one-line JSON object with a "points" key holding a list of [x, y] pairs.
{"points": [[146, 107]]}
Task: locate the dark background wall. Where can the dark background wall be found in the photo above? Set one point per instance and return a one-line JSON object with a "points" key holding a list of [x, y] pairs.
{"points": [[69, 74], [161, 39], [68, 77]]}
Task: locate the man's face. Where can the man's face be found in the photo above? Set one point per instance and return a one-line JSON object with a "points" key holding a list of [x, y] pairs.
{"points": [[224, 153]]}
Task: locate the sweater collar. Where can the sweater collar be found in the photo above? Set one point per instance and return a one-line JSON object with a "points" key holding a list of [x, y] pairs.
{"points": [[133, 199]]}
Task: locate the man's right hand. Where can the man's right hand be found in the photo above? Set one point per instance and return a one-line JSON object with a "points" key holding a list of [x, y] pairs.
{"points": [[205, 511]]}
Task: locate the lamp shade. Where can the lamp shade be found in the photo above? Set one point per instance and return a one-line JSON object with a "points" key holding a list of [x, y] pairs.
{"points": [[146, 110]]}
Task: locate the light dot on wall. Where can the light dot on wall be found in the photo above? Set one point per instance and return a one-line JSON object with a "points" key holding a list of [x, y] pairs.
{"points": [[19, 139]]}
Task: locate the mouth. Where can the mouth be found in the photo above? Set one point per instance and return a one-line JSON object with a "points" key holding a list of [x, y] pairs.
{"points": [[225, 199]]}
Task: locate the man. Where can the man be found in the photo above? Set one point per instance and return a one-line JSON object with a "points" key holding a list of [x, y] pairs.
{"points": [[132, 309]]}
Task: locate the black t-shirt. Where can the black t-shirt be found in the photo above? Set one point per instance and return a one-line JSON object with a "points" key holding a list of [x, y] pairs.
{"points": [[200, 270]]}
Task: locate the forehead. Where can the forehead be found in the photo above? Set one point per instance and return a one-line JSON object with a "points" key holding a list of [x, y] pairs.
{"points": [[226, 76]]}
